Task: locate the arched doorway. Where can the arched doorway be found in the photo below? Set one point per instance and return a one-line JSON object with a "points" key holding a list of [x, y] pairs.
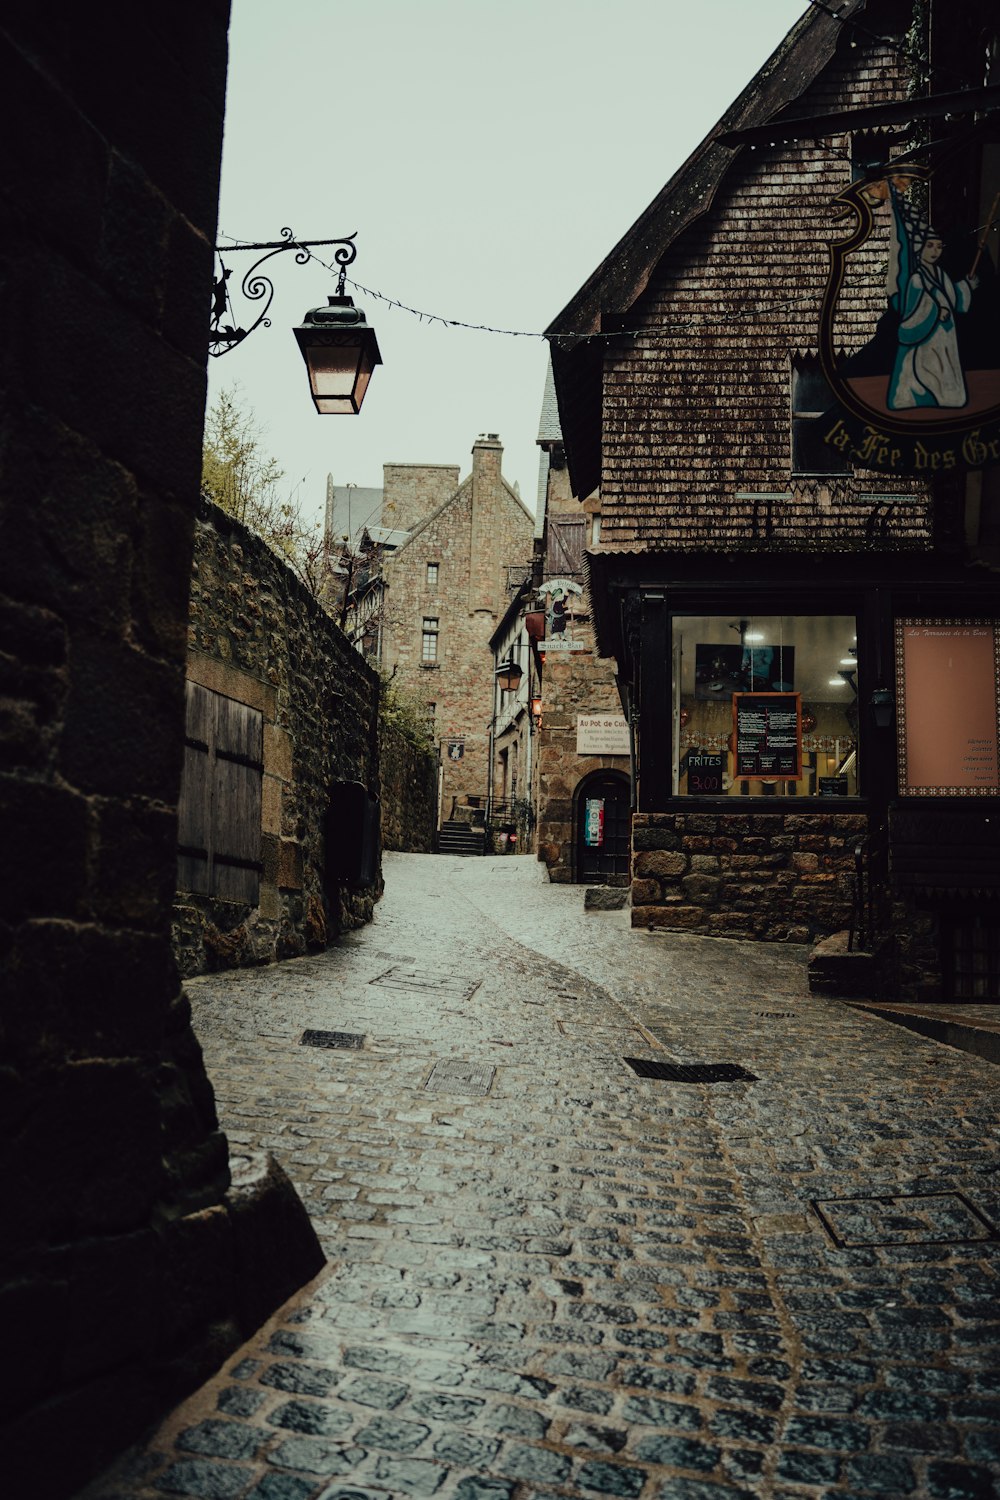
{"points": [[603, 828]]}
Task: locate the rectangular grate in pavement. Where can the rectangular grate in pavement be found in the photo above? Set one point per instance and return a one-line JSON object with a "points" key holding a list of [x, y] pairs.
{"points": [[422, 981], [349, 1040], [904, 1219], [454, 1075], [775, 1015], [690, 1072]]}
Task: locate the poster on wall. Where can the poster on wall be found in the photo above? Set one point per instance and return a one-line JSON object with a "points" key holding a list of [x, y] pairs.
{"points": [[767, 730], [593, 832], [948, 707], [921, 395], [720, 671]]}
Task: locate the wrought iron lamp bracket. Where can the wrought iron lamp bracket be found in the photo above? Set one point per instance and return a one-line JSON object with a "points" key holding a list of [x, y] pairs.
{"points": [[256, 287]]}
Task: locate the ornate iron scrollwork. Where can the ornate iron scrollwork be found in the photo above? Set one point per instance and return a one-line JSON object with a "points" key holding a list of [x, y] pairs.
{"points": [[255, 287]]}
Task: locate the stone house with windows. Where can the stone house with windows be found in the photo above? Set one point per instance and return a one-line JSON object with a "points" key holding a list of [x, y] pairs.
{"points": [[796, 572], [441, 592]]}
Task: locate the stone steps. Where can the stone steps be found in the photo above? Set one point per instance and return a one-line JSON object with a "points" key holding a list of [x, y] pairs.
{"points": [[460, 838]]}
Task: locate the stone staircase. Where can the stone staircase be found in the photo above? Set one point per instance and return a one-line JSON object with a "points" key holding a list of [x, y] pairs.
{"points": [[460, 838]]}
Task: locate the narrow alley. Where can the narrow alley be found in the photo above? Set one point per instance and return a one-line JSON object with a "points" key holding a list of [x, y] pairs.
{"points": [[551, 1276]]}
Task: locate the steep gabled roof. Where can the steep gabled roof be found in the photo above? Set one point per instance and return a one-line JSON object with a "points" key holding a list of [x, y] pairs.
{"points": [[624, 274], [465, 485]]}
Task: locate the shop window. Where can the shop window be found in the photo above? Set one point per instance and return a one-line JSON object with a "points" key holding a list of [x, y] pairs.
{"points": [[765, 706], [811, 403], [429, 641]]}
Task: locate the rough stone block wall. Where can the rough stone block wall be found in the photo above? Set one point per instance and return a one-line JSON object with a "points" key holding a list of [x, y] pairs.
{"points": [[412, 492], [687, 440], [409, 793], [474, 539], [781, 877], [582, 683], [118, 1250], [259, 637]]}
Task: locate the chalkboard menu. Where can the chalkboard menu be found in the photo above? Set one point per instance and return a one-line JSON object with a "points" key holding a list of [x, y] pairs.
{"points": [[704, 775], [768, 734]]}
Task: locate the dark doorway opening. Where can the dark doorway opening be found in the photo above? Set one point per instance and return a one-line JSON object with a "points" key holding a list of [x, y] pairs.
{"points": [[603, 829]]}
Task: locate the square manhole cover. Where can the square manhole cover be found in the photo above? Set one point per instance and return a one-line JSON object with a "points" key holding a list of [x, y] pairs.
{"points": [[673, 1072], [904, 1219], [349, 1040], [456, 1076], [424, 981]]}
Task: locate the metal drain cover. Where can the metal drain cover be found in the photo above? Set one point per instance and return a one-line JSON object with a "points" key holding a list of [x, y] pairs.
{"points": [[422, 981], [690, 1072], [904, 1219], [459, 1077], [347, 1039]]}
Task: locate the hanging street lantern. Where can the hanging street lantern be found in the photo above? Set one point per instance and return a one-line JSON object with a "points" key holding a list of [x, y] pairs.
{"points": [[338, 346], [508, 675], [340, 351]]}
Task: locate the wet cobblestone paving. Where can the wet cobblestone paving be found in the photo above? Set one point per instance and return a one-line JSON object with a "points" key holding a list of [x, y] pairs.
{"points": [[550, 1277]]}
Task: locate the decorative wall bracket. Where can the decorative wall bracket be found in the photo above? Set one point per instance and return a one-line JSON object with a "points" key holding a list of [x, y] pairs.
{"points": [[256, 287]]}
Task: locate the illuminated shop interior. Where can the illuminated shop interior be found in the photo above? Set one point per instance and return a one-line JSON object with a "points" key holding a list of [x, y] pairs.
{"points": [[806, 665]]}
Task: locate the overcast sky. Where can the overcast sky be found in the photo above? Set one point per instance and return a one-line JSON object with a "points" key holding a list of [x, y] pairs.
{"points": [[488, 155]]}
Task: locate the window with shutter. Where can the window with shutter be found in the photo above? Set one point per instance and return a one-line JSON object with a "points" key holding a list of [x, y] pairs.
{"points": [[564, 550], [219, 813]]}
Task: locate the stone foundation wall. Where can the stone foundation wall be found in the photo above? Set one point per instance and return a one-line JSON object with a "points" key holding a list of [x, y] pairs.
{"points": [[781, 877]]}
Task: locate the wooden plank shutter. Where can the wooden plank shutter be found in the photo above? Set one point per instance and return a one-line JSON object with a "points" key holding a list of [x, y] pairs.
{"points": [[220, 808], [564, 551]]}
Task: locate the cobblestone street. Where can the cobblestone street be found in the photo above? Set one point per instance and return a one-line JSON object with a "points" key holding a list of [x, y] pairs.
{"points": [[549, 1276]]}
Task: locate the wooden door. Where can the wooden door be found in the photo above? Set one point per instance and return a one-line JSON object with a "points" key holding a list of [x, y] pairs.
{"points": [[219, 813]]}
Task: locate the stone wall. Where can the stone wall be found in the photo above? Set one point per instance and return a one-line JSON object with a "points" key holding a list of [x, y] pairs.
{"points": [[781, 877], [259, 638], [577, 682], [120, 1268], [409, 793]]}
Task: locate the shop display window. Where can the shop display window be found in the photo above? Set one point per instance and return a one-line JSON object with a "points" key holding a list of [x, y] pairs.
{"points": [[765, 706]]}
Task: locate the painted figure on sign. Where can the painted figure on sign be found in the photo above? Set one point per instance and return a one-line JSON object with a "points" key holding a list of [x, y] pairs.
{"points": [[928, 367]]}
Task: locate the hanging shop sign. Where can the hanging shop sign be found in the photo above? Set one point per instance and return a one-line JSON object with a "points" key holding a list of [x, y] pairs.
{"points": [[456, 749], [593, 831], [922, 394], [767, 730], [601, 734], [563, 607], [948, 707]]}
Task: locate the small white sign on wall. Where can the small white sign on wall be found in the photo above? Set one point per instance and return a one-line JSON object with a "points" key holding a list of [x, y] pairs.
{"points": [[601, 734]]}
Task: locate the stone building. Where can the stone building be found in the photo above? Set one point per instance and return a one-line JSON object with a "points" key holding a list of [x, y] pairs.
{"points": [[443, 591], [796, 569], [584, 799], [130, 1261]]}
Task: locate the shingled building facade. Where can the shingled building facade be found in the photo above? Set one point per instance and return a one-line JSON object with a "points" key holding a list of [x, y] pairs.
{"points": [[766, 584]]}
